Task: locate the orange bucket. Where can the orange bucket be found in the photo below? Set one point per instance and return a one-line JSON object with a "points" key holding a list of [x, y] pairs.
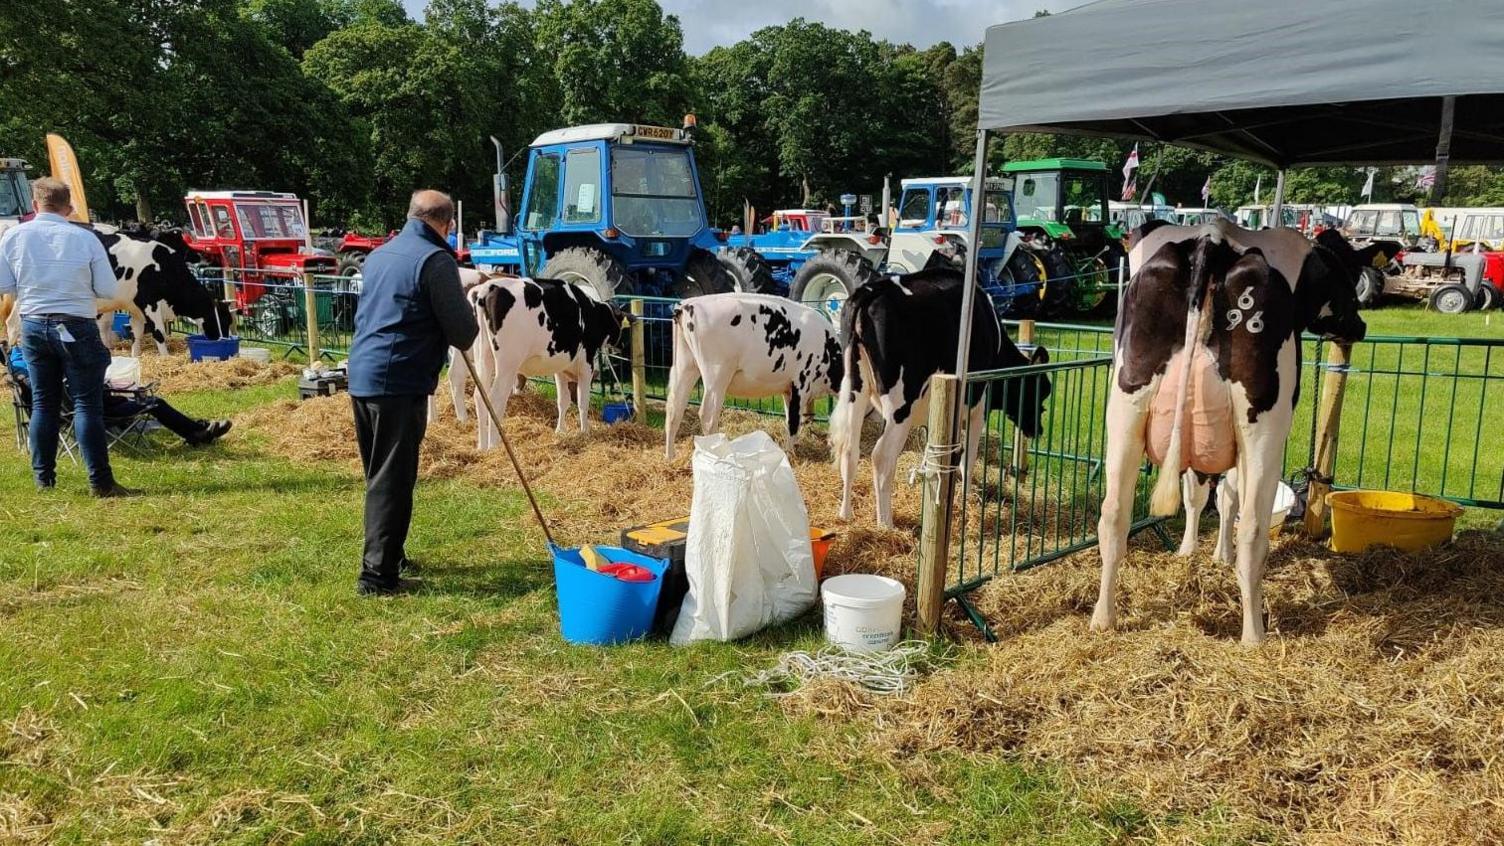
{"points": [[820, 541]]}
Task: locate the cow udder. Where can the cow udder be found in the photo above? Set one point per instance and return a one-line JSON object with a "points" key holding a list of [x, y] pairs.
{"points": [[1208, 442]]}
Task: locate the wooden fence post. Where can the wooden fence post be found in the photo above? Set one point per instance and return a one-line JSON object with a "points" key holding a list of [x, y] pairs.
{"points": [[310, 304], [939, 490], [639, 360], [1020, 464], [1324, 452]]}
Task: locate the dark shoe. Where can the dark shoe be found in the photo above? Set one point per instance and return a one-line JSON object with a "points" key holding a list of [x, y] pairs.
{"points": [[408, 565], [46, 487], [213, 430], [365, 588], [114, 491]]}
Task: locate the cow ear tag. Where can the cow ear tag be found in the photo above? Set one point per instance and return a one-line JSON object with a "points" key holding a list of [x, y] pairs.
{"points": [[626, 323]]}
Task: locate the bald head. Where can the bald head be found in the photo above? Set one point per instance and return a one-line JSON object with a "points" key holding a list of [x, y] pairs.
{"points": [[433, 208]]}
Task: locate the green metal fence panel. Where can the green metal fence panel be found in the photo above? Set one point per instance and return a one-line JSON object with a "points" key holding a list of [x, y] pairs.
{"points": [[1419, 415], [1027, 502]]}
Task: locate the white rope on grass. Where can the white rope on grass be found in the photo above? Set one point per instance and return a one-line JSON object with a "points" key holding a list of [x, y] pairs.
{"points": [[888, 673]]}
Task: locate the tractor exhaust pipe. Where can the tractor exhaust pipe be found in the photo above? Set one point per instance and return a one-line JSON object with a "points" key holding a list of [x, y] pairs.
{"points": [[499, 194]]}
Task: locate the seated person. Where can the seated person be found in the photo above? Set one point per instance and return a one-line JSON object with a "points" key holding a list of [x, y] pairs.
{"points": [[120, 405]]}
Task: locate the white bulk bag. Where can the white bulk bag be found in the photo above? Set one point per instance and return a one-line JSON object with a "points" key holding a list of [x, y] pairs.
{"points": [[748, 555]]}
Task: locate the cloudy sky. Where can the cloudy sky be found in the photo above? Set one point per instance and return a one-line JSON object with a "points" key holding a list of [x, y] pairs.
{"points": [[708, 23]]}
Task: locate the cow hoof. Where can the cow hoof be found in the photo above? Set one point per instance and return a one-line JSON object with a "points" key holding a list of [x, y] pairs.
{"points": [[1185, 551], [1253, 639], [1103, 619]]}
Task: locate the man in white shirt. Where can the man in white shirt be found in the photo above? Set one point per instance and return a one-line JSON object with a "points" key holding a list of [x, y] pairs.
{"points": [[57, 270]]}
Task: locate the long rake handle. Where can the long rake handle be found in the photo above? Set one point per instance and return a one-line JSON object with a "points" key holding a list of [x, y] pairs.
{"points": [[485, 398]]}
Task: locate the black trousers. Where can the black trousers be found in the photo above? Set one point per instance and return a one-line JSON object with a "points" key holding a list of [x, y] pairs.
{"points": [[389, 431]]}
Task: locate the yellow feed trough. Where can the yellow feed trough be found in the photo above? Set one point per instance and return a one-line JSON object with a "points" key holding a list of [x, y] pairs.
{"points": [[1410, 522]]}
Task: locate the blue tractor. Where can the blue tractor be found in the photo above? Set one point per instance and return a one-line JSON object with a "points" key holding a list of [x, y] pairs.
{"points": [[823, 264], [613, 207]]}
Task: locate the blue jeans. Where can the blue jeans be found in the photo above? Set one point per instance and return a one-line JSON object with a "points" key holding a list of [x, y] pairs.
{"points": [[82, 362]]}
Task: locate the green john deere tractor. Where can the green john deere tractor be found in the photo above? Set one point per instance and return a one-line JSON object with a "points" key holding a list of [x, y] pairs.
{"points": [[1062, 207]]}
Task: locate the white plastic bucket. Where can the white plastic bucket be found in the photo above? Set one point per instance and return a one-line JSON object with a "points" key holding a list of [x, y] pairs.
{"points": [[862, 612], [1284, 501], [260, 355]]}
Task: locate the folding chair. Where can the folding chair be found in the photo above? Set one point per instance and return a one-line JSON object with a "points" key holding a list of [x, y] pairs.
{"points": [[132, 433], [22, 406]]}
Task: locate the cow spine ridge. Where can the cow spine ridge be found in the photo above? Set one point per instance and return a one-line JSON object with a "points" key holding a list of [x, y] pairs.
{"points": [[1165, 500]]}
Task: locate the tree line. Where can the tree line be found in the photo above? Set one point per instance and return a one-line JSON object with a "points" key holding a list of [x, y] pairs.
{"points": [[351, 104]]}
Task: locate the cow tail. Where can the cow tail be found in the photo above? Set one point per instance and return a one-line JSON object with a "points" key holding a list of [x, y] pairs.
{"points": [[1165, 500]]}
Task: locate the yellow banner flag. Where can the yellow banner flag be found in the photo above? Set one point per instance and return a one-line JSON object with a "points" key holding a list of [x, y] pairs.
{"points": [[65, 167]]}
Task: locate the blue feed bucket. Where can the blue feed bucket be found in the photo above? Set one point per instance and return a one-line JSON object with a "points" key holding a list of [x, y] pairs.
{"points": [[600, 609], [200, 348], [121, 325], [615, 412]]}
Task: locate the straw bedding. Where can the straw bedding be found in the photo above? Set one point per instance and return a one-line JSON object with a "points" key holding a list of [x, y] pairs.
{"points": [[1375, 713], [174, 373]]}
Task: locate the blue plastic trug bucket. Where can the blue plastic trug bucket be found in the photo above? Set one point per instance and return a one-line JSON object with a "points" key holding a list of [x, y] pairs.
{"points": [[121, 325], [200, 348], [615, 412], [600, 609]]}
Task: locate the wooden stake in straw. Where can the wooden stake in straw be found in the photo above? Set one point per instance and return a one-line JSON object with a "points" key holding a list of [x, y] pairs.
{"points": [[485, 399]]}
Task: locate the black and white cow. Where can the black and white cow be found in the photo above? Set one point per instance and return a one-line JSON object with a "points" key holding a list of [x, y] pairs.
{"points": [[898, 331], [539, 327], [1207, 364], [753, 346], [155, 285]]}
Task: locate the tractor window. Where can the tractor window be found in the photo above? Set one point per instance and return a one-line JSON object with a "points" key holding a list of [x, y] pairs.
{"points": [[542, 194], [1409, 222], [1082, 197], [1036, 196], [995, 213], [196, 220], [582, 186], [914, 212], [15, 194], [653, 192], [1389, 223], [223, 226], [1363, 222], [950, 207]]}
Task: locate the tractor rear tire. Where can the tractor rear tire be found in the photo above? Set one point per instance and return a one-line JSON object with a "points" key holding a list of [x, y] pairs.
{"points": [[1370, 287], [594, 270], [1060, 284], [751, 271], [1488, 297], [350, 264], [1451, 299], [704, 274], [1024, 267], [827, 279]]}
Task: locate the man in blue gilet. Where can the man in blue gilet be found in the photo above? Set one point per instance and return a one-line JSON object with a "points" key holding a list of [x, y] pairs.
{"points": [[411, 311]]}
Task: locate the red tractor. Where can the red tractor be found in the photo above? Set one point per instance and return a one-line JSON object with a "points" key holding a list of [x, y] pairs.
{"points": [[350, 247], [261, 240]]}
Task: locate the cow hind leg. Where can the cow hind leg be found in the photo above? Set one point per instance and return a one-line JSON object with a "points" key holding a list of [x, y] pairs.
{"points": [[681, 382], [712, 400], [582, 396], [849, 446], [1227, 516], [1196, 493], [1258, 483], [562, 393], [458, 373], [975, 426], [885, 464], [1126, 417], [793, 409]]}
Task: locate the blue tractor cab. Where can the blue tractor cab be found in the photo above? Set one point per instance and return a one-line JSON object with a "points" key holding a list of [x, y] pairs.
{"points": [[613, 207]]}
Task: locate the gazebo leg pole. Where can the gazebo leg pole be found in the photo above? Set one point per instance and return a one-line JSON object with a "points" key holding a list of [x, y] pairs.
{"points": [[1277, 210]]}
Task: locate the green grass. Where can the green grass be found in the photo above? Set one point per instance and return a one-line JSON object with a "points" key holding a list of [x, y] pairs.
{"points": [[193, 665]]}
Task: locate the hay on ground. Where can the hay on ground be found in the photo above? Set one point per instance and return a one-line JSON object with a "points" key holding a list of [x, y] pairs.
{"points": [[1375, 713]]}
